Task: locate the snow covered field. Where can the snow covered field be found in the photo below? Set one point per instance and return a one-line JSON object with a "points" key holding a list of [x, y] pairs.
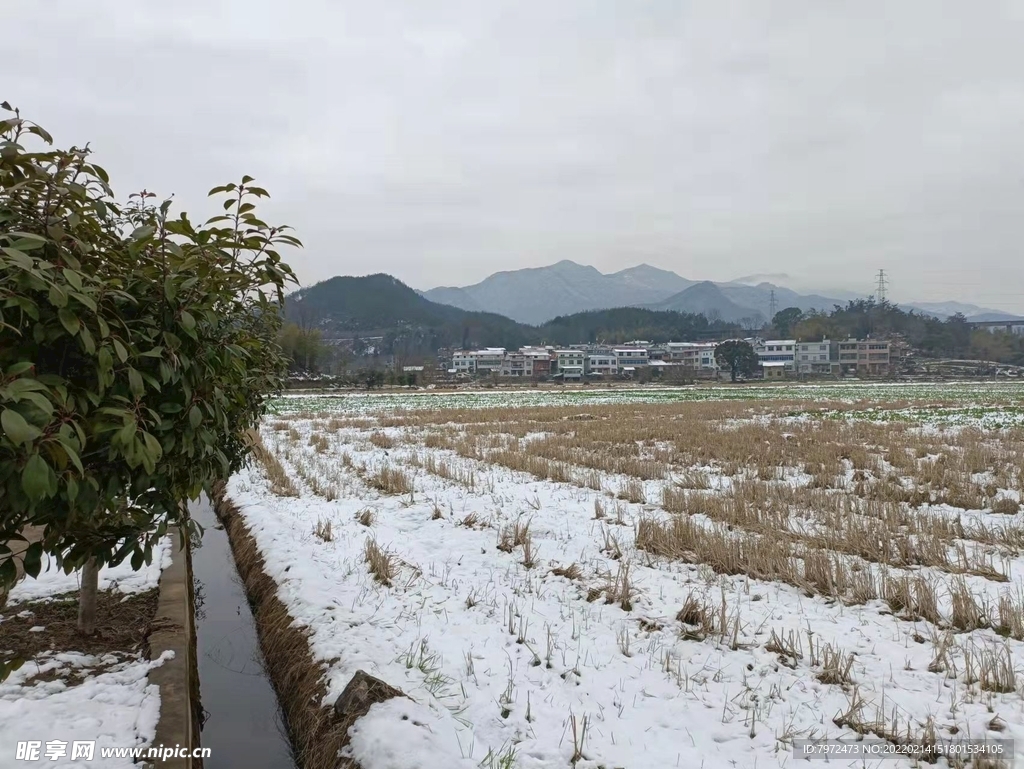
{"points": [[958, 395], [649, 584], [72, 696]]}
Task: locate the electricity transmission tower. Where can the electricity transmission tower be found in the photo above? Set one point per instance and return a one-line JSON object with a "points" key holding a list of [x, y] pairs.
{"points": [[771, 306], [882, 283]]}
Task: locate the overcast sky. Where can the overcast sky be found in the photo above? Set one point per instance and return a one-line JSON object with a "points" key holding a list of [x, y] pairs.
{"points": [[443, 141]]}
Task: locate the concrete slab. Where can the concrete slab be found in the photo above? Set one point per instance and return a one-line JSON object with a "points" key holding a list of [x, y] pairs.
{"points": [[174, 629]]}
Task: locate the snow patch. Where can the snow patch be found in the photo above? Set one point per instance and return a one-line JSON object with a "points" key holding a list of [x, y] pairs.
{"points": [[52, 581], [402, 734], [117, 707]]}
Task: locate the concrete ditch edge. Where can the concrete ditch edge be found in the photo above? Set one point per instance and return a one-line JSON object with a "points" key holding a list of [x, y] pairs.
{"points": [[174, 629], [316, 732]]}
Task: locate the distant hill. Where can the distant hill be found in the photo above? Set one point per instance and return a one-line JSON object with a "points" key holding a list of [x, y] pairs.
{"points": [[537, 294], [710, 300], [760, 296], [986, 317], [644, 278], [943, 310], [348, 307], [456, 297], [623, 324], [411, 324]]}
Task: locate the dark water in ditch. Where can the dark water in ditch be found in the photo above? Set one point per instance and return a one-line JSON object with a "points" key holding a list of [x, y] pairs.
{"points": [[243, 727]]}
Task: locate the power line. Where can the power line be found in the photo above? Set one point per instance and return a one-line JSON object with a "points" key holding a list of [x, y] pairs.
{"points": [[882, 283]]}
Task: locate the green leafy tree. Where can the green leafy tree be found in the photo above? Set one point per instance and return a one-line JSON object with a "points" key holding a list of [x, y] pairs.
{"points": [[738, 357], [373, 377], [303, 348], [136, 351], [786, 320]]}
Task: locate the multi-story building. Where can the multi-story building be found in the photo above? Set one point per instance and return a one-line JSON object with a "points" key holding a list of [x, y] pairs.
{"points": [[487, 360], [572, 364], [626, 357], [868, 357], [708, 362], [463, 362], [657, 352], [684, 353], [696, 355], [602, 364], [538, 361], [777, 351], [815, 358], [514, 364]]}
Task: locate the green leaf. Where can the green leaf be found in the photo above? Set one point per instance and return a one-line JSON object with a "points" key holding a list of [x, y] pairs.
{"points": [[127, 432], [72, 489], [135, 383], [122, 353], [73, 456], [143, 232], [27, 241], [87, 340], [21, 259], [57, 297], [195, 416], [43, 134], [33, 559], [73, 278], [152, 446], [37, 478], [69, 320], [40, 401], [8, 573], [246, 179], [84, 299], [187, 321], [23, 385], [105, 359], [148, 460], [20, 368], [16, 429], [170, 289]]}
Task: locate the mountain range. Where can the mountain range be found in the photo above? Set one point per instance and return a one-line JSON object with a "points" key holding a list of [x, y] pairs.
{"points": [[536, 295], [382, 306]]}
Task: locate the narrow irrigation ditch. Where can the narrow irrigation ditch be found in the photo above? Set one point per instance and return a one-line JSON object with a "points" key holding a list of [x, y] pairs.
{"points": [[317, 732], [242, 723]]}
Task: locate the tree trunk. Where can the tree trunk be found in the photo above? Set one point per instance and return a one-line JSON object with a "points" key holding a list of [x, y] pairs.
{"points": [[87, 598]]}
